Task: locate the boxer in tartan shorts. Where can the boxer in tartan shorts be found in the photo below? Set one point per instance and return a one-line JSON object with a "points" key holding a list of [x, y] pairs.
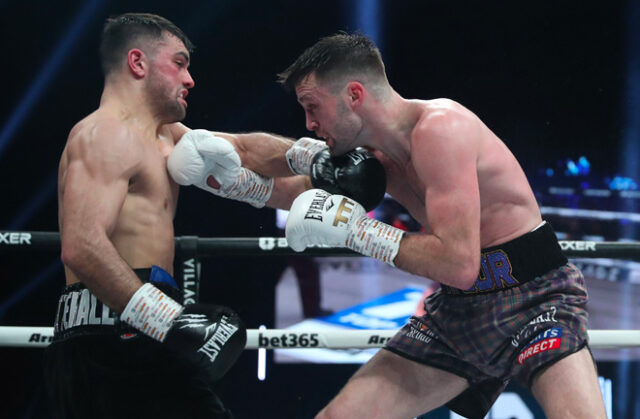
{"points": [[523, 316]]}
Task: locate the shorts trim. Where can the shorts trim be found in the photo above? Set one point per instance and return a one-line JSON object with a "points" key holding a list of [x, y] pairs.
{"points": [[434, 364]]}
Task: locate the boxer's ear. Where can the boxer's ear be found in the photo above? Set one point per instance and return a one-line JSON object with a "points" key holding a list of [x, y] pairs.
{"points": [[137, 62], [355, 94]]}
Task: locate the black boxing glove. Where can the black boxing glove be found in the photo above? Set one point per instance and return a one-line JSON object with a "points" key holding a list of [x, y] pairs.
{"points": [[211, 336], [357, 174]]}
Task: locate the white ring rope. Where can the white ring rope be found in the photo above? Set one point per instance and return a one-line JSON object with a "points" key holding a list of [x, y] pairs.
{"points": [[16, 336]]}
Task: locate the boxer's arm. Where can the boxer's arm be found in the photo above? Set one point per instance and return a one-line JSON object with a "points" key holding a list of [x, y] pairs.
{"points": [[444, 153], [261, 152], [101, 162], [211, 162], [286, 189]]}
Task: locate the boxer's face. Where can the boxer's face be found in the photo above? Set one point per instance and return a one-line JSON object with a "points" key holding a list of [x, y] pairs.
{"points": [[169, 80], [327, 115]]}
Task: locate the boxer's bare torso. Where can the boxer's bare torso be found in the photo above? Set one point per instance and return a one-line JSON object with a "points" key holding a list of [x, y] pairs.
{"points": [[508, 207], [142, 232]]}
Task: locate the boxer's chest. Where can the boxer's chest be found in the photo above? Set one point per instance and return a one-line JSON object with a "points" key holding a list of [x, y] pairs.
{"points": [[405, 187], [153, 182]]}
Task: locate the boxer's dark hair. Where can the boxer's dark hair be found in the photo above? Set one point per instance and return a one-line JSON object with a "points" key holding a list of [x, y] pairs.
{"points": [[121, 33], [339, 54]]}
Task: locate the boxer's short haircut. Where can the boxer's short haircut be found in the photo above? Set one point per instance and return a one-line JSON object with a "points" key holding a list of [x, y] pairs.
{"points": [[337, 55], [123, 32]]}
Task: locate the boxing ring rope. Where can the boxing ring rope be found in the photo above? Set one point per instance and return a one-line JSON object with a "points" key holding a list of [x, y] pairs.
{"points": [[190, 248], [15, 336], [277, 246]]}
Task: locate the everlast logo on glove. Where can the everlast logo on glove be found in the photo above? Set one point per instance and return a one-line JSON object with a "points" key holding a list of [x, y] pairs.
{"points": [[358, 156], [315, 209], [216, 334], [220, 336]]}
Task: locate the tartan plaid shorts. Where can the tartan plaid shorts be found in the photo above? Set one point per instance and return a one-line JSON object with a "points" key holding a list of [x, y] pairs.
{"points": [[490, 338]]}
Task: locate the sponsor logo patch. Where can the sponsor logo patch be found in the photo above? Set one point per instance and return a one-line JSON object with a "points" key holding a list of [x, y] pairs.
{"points": [[420, 332], [545, 341]]}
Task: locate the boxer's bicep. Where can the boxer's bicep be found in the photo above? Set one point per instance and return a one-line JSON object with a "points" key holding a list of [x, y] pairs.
{"points": [[445, 156], [96, 184], [91, 202]]}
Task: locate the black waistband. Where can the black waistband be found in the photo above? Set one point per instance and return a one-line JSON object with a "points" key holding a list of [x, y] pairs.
{"points": [[81, 313], [516, 262]]}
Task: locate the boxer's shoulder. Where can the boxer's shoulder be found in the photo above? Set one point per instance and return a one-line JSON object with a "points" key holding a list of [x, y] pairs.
{"points": [[100, 135], [100, 125]]}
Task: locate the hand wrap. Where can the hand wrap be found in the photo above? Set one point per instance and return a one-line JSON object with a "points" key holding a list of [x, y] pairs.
{"points": [[210, 336]]}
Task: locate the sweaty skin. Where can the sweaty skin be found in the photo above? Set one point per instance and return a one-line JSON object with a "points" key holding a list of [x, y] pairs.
{"points": [[114, 187], [458, 176], [478, 163]]}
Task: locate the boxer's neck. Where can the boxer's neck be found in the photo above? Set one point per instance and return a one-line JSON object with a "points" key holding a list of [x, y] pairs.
{"points": [[130, 104]]}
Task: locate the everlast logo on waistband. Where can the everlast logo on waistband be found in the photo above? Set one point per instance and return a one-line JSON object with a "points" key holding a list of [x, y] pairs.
{"points": [[495, 272], [82, 308], [15, 238]]}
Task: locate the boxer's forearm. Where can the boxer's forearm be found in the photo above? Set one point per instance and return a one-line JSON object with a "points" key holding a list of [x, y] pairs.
{"points": [[286, 189], [98, 265], [447, 262], [263, 153]]}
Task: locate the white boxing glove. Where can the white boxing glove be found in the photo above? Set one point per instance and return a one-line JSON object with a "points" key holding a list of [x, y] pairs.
{"points": [[318, 218], [300, 155], [200, 154], [187, 164]]}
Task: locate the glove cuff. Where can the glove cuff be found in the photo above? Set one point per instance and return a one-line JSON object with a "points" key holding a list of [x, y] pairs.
{"points": [[151, 311], [374, 238], [300, 155], [251, 188]]}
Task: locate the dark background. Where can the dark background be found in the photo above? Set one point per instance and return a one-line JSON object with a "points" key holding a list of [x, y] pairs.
{"points": [[550, 78]]}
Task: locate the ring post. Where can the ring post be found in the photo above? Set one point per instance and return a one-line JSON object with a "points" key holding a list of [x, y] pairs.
{"points": [[188, 268]]}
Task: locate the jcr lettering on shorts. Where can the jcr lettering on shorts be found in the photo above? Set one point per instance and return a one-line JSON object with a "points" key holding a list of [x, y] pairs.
{"points": [[495, 273]]}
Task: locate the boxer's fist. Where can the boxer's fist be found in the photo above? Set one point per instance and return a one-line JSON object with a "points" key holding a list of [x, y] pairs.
{"points": [[210, 336], [318, 218], [200, 156], [357, 174]]}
